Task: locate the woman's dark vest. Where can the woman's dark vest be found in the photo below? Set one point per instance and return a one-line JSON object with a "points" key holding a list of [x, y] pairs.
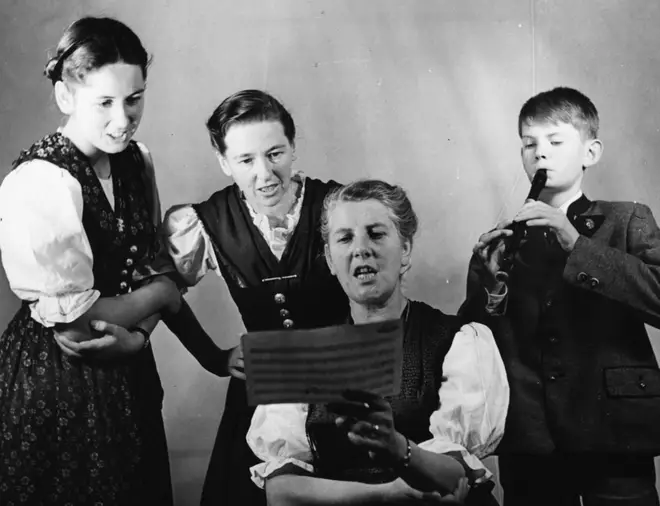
{"points": [[297, 291]]}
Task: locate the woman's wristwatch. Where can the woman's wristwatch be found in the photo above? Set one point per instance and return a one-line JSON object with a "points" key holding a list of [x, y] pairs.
{"points": [[404, 462], [146, 335]]}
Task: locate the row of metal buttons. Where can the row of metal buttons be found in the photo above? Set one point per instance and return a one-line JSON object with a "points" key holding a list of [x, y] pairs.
{"points": [[127, 272], [584, 277], [287, 322]]}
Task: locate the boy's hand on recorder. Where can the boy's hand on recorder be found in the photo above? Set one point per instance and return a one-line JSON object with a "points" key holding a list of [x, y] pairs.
{"points": [[489, 251], [539, 214]]}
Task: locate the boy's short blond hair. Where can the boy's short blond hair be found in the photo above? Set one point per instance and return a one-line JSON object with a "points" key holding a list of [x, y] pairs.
{"points": [[561, 105]]}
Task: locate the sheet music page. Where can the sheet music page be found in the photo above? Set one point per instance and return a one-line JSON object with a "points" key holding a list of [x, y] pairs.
{"points": [[317, 365]]}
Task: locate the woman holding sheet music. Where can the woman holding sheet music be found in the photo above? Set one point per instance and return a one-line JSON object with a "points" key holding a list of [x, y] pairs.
{"points": [[261, 236], [370, 450]]}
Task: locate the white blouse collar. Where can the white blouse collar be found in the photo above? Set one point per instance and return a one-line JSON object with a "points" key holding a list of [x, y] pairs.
{"points": [[277, 237]]}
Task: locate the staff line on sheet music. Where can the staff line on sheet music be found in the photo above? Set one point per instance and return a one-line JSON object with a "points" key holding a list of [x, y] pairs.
{"points": [[301, 357], [372, 382], [321, 380], [372, 344], [326, 386], [304, 359], [292, 370], [305, 367]]}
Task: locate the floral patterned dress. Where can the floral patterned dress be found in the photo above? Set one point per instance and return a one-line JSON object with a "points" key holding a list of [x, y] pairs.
{"points": [[75, 432]]}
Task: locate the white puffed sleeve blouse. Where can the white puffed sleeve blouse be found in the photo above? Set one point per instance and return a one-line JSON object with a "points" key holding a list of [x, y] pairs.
{"points": [[470, 417], [45, 251]]}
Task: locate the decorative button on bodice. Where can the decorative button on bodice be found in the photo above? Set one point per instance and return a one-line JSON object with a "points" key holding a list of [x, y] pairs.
{"points": [[280, 298], [287, 323]]}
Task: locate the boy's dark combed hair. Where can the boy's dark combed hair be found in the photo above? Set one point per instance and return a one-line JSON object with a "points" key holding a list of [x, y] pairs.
{"points": [[565, 105]]}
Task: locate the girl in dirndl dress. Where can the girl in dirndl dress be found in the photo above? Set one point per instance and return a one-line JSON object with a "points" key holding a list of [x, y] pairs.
{"points": [[78, 218]]}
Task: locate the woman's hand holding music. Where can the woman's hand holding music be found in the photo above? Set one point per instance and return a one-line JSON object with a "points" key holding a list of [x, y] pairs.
{"points": [[368, 421]]}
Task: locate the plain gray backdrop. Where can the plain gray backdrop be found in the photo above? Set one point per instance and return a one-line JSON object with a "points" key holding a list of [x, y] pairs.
{"points": [[424, 93]]}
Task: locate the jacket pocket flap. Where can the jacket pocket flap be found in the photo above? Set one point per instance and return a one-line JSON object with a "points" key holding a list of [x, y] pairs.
{"points": [[632, 381]]}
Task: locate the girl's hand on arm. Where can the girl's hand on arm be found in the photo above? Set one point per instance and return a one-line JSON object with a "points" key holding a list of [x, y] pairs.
{"points": [[117, 342], [368, 421], [235, 364], [127, 310], [400, 492], [458, 496]]}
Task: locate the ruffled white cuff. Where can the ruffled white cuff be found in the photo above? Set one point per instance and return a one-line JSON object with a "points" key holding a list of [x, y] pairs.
{"points": [[262, 471], [277, 437], [470, 459], [65, 308]]}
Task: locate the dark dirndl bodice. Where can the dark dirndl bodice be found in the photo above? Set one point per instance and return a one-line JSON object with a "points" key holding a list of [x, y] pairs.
{"points": [[297, 291], [80, 432]]}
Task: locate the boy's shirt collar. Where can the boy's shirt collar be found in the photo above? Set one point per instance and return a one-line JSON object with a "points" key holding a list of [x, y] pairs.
{"points": [[564, 207]]}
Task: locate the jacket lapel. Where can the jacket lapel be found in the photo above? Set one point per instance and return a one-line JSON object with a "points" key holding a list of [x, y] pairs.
{"points": [[582, 216]]}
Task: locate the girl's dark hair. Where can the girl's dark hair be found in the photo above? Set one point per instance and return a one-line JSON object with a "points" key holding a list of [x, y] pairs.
{"points": [[89, 44], [247, 106]]}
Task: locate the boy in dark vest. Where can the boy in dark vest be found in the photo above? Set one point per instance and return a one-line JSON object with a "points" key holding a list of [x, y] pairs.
{"points": [[584, 417]]}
